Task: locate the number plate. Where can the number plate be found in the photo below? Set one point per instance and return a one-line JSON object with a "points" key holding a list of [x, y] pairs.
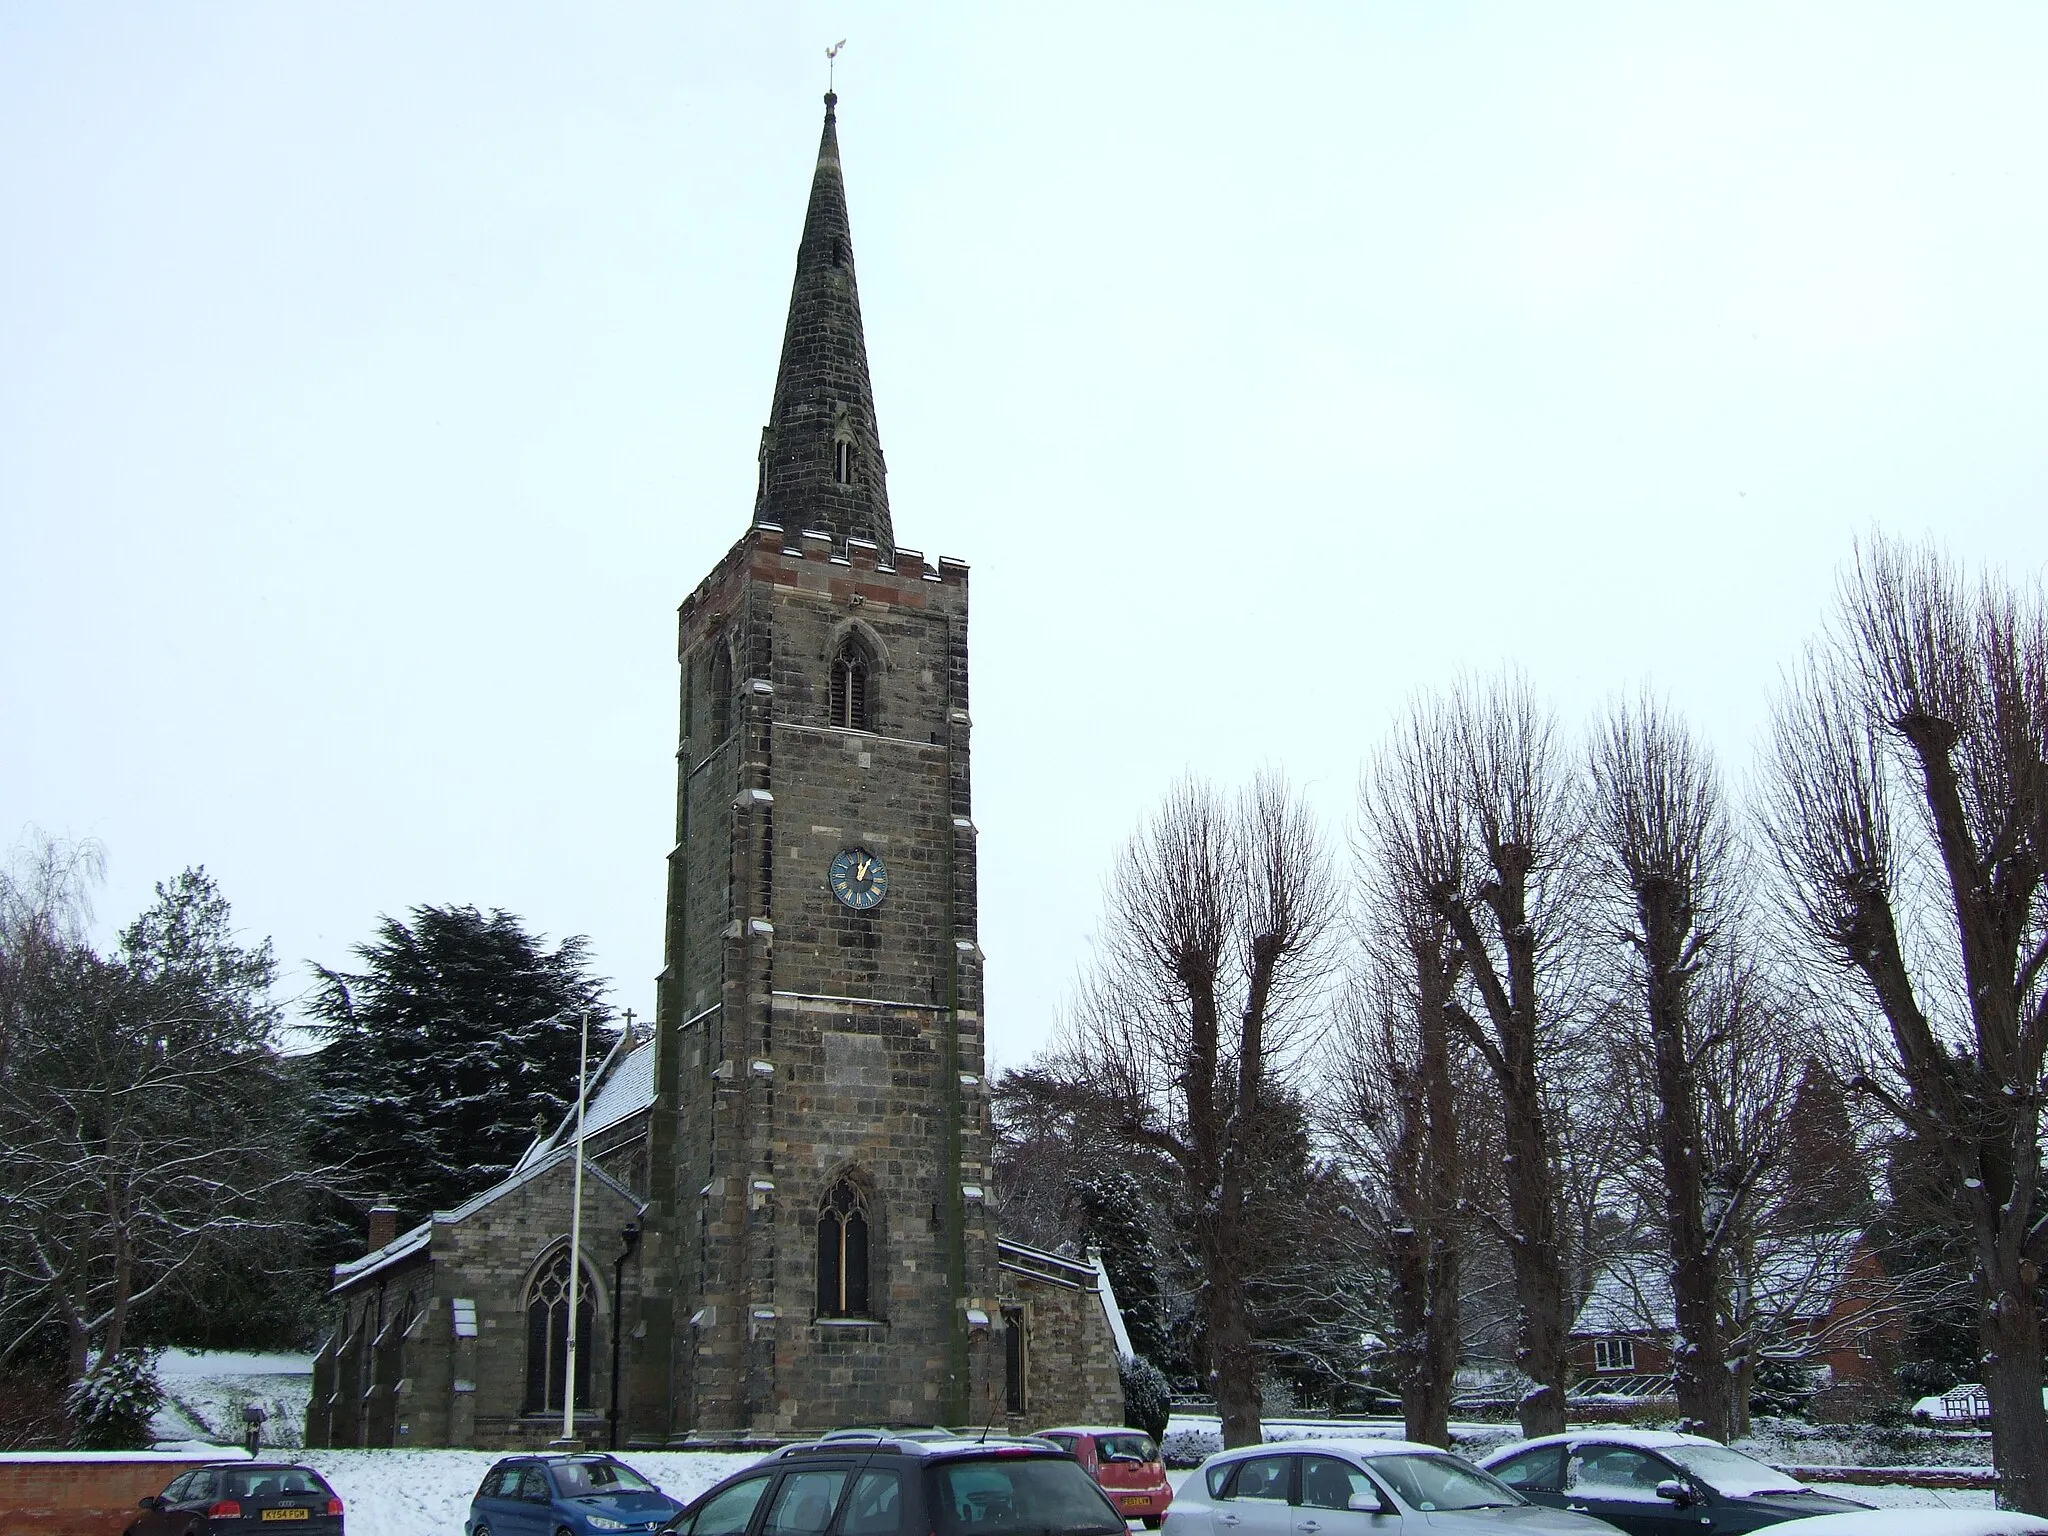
{"points": [[287, 1514]]}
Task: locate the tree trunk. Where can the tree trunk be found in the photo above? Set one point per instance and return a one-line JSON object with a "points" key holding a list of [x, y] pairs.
{"points": [[2009, 1327], [1699, 1360], [1538, 1267], [1233, 1362]]}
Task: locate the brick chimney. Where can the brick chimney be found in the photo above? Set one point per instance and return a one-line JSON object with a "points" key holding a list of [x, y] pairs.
{"points": [[383, 1224]]}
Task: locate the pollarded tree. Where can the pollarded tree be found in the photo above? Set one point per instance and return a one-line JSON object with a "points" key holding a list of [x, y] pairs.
{"points": [[1215, 941], [442, 1056], [1909, 811], [1512, 903], [1394, 1108]]}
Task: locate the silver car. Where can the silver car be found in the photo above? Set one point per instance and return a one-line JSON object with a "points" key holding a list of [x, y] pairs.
{"points": [[1357, 1488]]}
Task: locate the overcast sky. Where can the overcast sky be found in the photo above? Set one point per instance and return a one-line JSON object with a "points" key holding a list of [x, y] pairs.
{"points": [[375, 381]]}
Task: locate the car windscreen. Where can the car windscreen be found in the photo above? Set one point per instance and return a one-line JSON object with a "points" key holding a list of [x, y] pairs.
{"points": [[270, 1482], [1125, 1447], [1729, 1472], [578, 1478], [1024, 1495], [1433, 1483]]}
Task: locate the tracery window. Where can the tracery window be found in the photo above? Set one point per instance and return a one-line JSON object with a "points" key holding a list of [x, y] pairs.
{"points": [[547, 1335], [843, 1252], [853, 687]]}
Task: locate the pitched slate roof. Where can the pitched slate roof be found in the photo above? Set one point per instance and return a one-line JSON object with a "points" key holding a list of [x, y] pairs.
{"points": [[1795, 1277]]}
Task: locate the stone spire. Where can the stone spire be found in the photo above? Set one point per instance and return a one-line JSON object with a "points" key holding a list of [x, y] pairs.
{"points": [[821, 456]]}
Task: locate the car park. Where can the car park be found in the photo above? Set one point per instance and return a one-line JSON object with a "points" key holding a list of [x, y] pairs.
{"points": [[967, 1485], [1125, 1462], [242, 1496], [1917, 1522], [1656, 1483], [565, 1495], [1358, 1488]]}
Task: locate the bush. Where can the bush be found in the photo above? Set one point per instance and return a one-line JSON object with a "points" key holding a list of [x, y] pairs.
{"points": [[113, 1404], [1148, 1399]]}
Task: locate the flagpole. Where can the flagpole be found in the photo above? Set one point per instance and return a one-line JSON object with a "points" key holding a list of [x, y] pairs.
{"points": [[576, 1230]]}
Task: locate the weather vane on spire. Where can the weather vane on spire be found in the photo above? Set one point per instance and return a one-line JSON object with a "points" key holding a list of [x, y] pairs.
{"points": [[831, 61]]}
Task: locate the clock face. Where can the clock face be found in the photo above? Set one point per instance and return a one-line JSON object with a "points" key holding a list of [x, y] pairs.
{"points": [[858, 879]]}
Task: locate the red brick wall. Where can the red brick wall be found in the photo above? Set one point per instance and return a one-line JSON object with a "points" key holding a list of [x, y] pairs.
{"points": [[78, 1494]]}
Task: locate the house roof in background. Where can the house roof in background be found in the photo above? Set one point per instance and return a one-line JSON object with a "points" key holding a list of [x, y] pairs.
{"points": [[1794, 1278]]}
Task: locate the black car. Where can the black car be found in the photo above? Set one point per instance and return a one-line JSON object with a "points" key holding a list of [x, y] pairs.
{"points": [[890, 1486], [1651, 1483], [242, 1496]]}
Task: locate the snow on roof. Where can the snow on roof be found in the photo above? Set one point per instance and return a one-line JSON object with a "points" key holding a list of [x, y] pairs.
{"points": [[1358, 1445], [1643, 1439], [403, 1246], [1112, 1309], [623, 1084], [409, 1243], [1795, 1277], [1039, 1264]]}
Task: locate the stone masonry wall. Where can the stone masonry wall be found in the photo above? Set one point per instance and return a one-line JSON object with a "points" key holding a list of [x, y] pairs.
{"points": [[803, 1039]]}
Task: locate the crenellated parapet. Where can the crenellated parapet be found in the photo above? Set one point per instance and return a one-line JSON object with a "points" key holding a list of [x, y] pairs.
{"points": [[853, 572]]}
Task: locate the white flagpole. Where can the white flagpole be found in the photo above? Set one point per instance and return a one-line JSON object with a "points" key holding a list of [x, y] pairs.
{"points": [[576, 1231]]}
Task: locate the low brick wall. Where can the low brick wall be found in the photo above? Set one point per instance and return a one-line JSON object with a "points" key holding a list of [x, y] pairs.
{"points": [[1899, 1477], [86, 1493]]}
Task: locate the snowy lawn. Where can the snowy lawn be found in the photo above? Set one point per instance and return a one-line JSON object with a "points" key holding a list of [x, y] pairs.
{"points": [[205, 1392], [427, 1493]]}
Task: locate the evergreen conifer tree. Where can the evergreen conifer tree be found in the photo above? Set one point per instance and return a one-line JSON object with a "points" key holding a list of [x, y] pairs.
{"points": [[443, 1055]]}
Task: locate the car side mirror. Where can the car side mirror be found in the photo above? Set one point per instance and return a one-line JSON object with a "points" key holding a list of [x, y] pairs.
{"points": [[1366, 1503], [149, 1501], [1671, 1488]]}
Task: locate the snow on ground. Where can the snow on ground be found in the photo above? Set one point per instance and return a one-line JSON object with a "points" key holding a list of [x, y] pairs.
{"points": [[205, 1392], [427, 1493]]}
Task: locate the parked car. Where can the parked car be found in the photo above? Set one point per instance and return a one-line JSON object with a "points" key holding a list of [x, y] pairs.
{"points": [[1358, 1488], [241, 1496], [961, 1486], [1126, 1463], [1653, 1483], [579, 1495], [1917, 1522]]}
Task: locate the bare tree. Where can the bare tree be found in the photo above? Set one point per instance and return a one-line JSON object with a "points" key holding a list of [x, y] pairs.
{"points": [[1510, 906], [1215, 939], [144, 1119], [1909, 811], [1669, 862]]}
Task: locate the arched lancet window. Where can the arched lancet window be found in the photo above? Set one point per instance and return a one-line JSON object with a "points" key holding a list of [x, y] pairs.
{"points": [[842, 461], [853, 687], [843, 1253], [547, 1335], [721, 690]]}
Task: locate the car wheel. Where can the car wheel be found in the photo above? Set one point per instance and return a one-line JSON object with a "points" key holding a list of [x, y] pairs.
{"points": [[482, 1530]]}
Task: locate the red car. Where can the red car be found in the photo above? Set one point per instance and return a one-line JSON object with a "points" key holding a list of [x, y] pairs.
{"points": [[1126, 1463]]}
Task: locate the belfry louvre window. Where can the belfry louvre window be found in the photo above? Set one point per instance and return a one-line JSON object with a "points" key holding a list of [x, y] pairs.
{"points": [[547, 1335], [843, 1253], [842, 462], [853, 689]]}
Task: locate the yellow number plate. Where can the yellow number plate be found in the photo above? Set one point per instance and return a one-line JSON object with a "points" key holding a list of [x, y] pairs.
{"points": [[287, 1514]]}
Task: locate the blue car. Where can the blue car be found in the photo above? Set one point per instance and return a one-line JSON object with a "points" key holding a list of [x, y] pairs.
{"points": [[565, 1496]]}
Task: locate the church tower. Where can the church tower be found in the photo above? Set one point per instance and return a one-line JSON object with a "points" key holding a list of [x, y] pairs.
{"points": [[817, 1250]]}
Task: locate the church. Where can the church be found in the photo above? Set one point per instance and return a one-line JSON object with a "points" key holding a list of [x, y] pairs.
{"points": [[785, 1190]]}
